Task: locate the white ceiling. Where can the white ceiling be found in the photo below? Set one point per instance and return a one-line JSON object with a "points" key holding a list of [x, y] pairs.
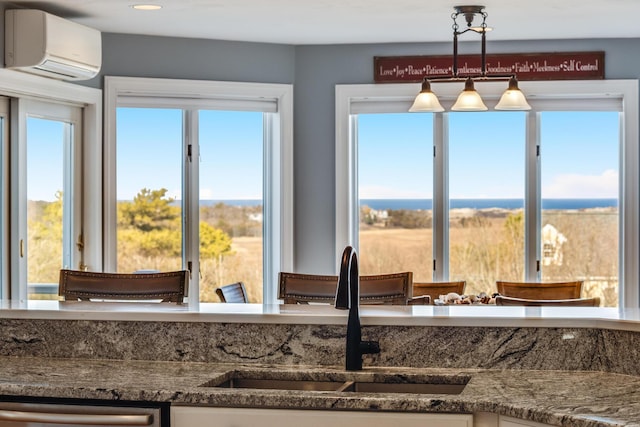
{"points": [[301, 22]]}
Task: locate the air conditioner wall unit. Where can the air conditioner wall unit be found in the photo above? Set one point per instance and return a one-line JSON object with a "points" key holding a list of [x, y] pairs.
{"points": [[44, 44]]}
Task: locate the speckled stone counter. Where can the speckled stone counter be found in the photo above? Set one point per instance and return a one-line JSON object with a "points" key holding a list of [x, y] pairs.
{"points": [[584, 349], [568, 399], [553, 367]]}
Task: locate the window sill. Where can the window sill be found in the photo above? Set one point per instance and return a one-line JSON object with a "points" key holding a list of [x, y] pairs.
{"points": [[462, 316]]}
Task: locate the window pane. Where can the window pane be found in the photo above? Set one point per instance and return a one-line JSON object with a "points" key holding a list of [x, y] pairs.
{"points": [[149, 189], [580, 200], [395, 184], [45, 183], [231, 201], [486, 190]]}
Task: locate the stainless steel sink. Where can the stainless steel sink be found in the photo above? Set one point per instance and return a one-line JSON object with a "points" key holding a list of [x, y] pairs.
{"points": [[275, 384], [419, 388], [341, 382]]}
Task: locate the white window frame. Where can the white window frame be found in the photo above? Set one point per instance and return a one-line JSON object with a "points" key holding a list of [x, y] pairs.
{"points": [[278, 161], [71, 116], [353, 99], [5, 201], [22, 85]]}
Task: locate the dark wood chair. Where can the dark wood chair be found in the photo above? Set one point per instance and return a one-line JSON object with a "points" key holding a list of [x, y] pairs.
{"points": [[297, 288], [87, 285], [435, 289], [572, 302], [232, 293], [539, 290]]}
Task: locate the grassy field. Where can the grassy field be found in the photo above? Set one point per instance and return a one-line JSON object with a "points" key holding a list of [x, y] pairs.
{"points": [[485, 246], [482, 251], [245, 264]]}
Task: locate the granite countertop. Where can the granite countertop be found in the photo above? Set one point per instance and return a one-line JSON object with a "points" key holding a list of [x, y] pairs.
{"points": [[559, 398], [383, 315]]}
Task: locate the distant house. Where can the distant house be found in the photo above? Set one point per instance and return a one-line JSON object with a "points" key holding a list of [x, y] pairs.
{"points": [[552, 241], [380, 214], [257, 217]]}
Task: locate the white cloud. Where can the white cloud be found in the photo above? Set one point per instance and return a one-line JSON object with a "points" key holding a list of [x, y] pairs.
{"points": [[382, 192], [602, 186], [206, 194]]}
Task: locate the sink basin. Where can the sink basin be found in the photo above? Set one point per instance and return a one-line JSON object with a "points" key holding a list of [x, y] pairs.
{"points": [[274, 384], [419, 388], [341, 382]]}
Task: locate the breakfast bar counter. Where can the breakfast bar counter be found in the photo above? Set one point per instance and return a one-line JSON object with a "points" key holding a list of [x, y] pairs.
{"points": [[565, 367]]}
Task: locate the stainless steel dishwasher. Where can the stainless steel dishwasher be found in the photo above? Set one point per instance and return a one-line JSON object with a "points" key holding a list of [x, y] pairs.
{"points": [[33, 414]]}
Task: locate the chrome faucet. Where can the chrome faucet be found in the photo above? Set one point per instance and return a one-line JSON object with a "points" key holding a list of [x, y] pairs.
{"points": [[348, 298]]}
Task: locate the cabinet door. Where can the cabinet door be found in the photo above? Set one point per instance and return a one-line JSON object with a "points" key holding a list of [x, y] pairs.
{"points": [[514, 422], [185, 416]]}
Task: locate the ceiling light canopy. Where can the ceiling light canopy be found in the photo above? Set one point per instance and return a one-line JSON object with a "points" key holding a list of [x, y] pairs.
{"points": [[146, 6], [469, 100]]}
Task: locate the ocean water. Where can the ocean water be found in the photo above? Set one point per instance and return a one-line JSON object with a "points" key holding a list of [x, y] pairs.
{"points": [[239, 202], [416, 204]]}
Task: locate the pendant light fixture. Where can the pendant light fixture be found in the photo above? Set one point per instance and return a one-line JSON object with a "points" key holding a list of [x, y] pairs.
{"points": [[426, 100], [470, 100]]}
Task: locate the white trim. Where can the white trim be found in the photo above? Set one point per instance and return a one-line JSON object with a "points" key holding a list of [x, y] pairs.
{"points": [[275, 99], [6, 197], [21, 85], [264, 105], [629, 198], [18, 206], [345, 232], [350, 98]]}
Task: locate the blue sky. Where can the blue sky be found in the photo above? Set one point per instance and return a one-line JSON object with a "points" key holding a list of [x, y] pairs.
{"points": [[230, 153], [44, 158], [580, 154]]}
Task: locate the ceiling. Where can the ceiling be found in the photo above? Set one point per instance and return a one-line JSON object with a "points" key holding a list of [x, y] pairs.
{"points": [[300, 22]]}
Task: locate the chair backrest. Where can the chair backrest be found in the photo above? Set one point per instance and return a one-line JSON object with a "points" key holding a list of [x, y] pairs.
{"points": [[534, 290], [232, 293], [573, 302], [85, 285], [393, 288], [297, 288], [420, 300], [435, 289]]}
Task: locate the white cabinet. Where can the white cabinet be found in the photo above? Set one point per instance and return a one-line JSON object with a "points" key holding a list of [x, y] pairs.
{"points": [[191, 416], [514, 422]]}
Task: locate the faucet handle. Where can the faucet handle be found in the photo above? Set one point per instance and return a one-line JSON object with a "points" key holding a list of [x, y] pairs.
{"points": [[369, 347]]}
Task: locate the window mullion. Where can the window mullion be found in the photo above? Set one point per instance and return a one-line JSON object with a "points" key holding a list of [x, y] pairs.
{"points": [[441, 197], [190, 191], [532, 202]]}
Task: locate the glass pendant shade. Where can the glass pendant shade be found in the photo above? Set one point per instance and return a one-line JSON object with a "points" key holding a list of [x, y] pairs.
{"points": [[469, 99], [513, 99], [426, 101]]}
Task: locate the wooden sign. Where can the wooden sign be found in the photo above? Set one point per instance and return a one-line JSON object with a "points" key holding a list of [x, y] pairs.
{"points": [[526, 66]]}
